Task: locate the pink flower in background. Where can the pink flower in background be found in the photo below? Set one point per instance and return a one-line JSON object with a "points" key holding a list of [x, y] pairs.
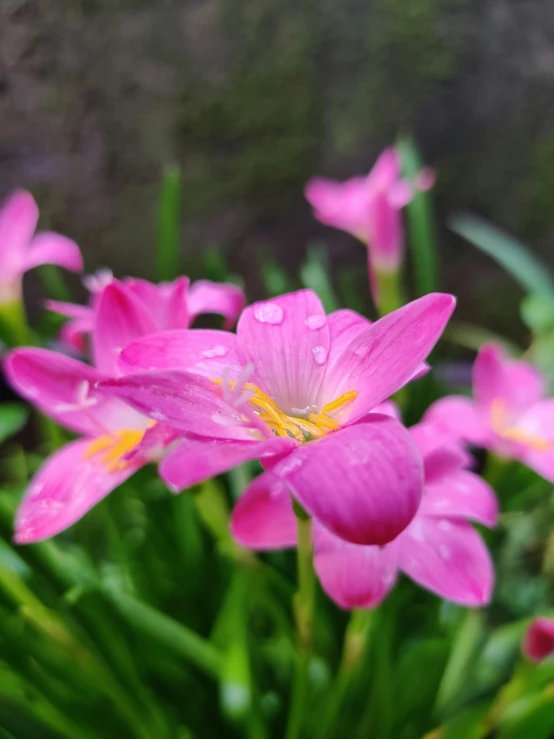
{"points": [[369, 207], [21, 249], [160, 307], [538, 643], [439, 549], [295, 388], [508, 413]]}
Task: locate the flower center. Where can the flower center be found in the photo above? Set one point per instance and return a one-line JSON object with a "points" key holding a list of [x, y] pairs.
{"points": [[501, 426], [111, 448]]}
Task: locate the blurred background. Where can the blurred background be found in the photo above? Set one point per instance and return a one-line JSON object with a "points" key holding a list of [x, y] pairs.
{"points": [[252, 97]]}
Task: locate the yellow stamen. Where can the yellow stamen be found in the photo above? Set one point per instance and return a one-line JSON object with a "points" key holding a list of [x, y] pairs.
{"points": [[501, 426], [114, 447]]}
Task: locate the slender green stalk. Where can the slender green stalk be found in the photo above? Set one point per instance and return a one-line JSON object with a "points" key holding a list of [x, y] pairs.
{"points": [[388, 289], [14, 328], [495, 469], [304, 602]]}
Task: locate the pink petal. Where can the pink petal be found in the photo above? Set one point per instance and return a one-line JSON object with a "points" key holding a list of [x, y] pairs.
{"points": [[18, 220], [64, 388], [386, 243], [344, 326], [538, 423], [195, 459], [446, 461], [387, 354], [458, 418], [400, 194], [263, 517], [425, 179], [430, 438], [52, 248], [343, 205], [120, 318], [82, 319], [155, 298], [65, 488], [181, 399], [538, 643], [449, 558], [203, 351], [518, 384], [212, 297], [287, 341], [178, 309], [461, 494], [386, 170], [363, 482], [353, 576]]}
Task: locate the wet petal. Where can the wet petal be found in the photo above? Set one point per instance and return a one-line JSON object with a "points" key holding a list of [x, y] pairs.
{"points": [[223, 299]]}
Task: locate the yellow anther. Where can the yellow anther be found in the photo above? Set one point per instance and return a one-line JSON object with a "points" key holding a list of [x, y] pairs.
{"points": [[114, 447], [501, 426], [343, 399]]}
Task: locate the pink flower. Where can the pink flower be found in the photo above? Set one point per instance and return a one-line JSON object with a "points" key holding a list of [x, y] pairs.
{"points": [[156, 308], [508, 414], [295, 388], [438, 549], [538, 643], [369, 207], [21, 249]]}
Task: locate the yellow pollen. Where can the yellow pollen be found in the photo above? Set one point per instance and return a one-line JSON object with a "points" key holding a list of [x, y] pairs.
{"points": [[500, 425], [113, 447], [314, 426]]}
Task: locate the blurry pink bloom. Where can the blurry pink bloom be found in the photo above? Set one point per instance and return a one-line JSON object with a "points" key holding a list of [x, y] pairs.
{"points": [[538, 642], [369, 207], [295, 388], [508, 414], [21, 249], [438, 549], [160, 307]]}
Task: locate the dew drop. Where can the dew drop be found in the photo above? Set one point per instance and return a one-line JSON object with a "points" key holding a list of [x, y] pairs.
{"points": [[269, 313], [320, 354], [292, 464], [313, 323], [215, 351]]}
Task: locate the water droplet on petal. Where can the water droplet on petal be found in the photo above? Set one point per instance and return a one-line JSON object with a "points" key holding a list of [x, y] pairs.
{"points": [[315, 322], [269, 313], [320, 354], [215, 351], [292, 464]]}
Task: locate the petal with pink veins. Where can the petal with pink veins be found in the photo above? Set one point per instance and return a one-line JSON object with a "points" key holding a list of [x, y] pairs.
{"points": [[449, 558], [223, 299], [66, 487], [363, 482]]}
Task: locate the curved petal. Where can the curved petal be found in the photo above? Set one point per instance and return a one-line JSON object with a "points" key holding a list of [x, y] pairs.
{"points": [[342, 205], [80, 323], [431, 438], [449, 558], [386, 241], [64, 388], [459, 418], [287, 341], [363, 482], [181, 399], [353, 576], [178, 309], [387, 354], [263, 517], [386, 170], [52, 248], [538, 643], [18, 221], [345, 325], [203, 351], [66, 487], [195, 460], [212, 297], [461, 495], [120, 317], [519, 384]]}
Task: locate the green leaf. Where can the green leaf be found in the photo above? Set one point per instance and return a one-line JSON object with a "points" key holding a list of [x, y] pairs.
{"points": [[420, 218], [512, 255], [314, 274], [13, 417], [169, 224], [537, 312]]}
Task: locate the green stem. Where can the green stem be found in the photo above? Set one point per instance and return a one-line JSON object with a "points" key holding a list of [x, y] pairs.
{"points": [[495, 469], [388, 290], [304, 602], [13, 323]]}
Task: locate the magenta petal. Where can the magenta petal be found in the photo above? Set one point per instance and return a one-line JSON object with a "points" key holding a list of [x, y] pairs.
{"points": [[353, 576], [461, 495], [387, 354], [18, 220], [181, 399], [65, 488], [459, 418], [52, 248], [195, 459], [80, 324], [344, 326], [287, 341], [203, 351], [538, 422], [518, 384], [223, 299], [449, 558], [538, 643], [263, 517], [363, 482], [120, 318], [386, 242]]}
